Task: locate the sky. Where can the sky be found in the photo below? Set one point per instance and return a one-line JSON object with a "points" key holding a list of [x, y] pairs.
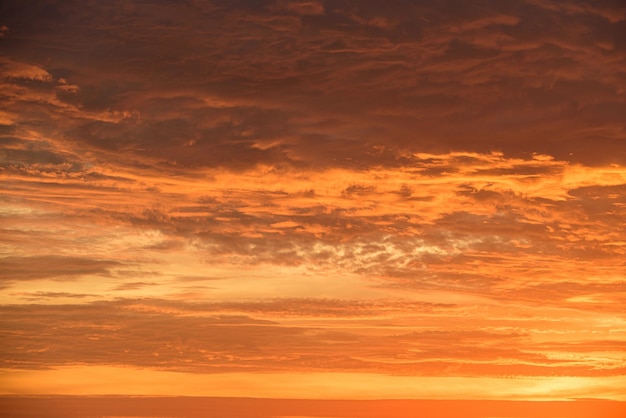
{"points": [[313, 199]]}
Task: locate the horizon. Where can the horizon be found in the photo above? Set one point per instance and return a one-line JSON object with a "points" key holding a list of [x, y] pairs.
{"points": [[69, 406]]}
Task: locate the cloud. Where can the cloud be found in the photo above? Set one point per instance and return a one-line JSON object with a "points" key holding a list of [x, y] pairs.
{"points": [[482, 216], [226, 337], [305, 7], [439, 93], [400, 188], [37, 296], [134, 285], [50, 266], [610, 10], [13, 70]]}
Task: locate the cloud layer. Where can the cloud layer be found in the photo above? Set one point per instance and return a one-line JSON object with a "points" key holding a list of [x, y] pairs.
{"points": [[297, 186]]}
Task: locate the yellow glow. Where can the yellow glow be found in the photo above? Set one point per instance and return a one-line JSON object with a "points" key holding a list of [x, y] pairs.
{"points": [[86, 380]]}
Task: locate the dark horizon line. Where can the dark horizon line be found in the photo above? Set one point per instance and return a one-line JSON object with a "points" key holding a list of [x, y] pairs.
{"points": [[81, 406]]}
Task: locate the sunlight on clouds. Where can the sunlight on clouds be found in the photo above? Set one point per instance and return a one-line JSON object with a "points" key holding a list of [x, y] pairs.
{"points": [[313, 199], [11, 69]]}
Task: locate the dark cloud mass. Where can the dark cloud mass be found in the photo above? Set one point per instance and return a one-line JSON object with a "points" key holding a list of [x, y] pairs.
{"points": [[238, 84], [54, 267]]}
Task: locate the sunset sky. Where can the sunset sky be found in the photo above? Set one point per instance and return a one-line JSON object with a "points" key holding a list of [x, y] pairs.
{"points": [[311, 199]]}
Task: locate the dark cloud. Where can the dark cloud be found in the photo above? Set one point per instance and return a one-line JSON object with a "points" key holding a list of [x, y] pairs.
{"points": [[38, 296], [16, 268], [516, 77], [134, 285]]}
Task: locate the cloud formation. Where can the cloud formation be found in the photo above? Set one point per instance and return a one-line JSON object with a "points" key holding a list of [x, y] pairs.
{"points": [[404, 188], [309, 335]]}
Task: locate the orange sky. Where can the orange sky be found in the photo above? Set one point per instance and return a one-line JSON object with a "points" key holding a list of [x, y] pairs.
{"points": [[313, 200]]}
